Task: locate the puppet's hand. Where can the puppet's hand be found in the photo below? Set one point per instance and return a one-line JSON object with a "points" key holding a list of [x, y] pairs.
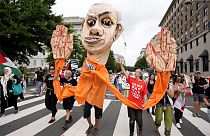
{"points": [[61, 43], [161, 52]]}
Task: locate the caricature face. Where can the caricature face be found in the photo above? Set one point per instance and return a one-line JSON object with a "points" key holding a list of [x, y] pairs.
{"points": [[100, 29]]}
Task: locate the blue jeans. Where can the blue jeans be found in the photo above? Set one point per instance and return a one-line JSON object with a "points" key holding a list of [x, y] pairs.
{"points": [[39, 85]]}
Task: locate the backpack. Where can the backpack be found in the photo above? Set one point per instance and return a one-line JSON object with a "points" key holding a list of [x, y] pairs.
{"points": [[17, 88]]}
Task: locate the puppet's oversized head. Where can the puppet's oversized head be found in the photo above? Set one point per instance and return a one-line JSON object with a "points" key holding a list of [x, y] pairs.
{"points": [[101, 28]]}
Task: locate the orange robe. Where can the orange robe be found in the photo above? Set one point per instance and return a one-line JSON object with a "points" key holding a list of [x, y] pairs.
{"points": [[92, 86]]}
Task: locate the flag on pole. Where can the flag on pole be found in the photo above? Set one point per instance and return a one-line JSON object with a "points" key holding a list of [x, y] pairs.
{"points": [[180, 101], [6, 62]]}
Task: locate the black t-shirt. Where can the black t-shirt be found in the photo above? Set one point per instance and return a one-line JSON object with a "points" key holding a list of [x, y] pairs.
{"points": [[49, 81], [40, 76], [150, 87], [196, 86], [72, 82], [207, 93]]}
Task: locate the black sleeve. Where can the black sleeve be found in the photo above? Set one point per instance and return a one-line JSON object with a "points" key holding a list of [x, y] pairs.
{"points": [[207, 92], [46, 78], [18, 79], [74, 82]]}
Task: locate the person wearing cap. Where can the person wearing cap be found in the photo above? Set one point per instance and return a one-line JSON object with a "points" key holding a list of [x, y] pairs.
{"points": [[199, 84], [50, 97]]}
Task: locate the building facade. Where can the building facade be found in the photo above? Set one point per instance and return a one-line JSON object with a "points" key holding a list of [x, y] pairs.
{"points": [[119, 58], [76, 22], [189, 23]]}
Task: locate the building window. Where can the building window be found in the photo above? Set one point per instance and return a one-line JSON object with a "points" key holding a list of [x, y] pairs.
{"points": [[204, 38], [177, 51], [181, 22], [185, 47], [197, 6], [186, 18], [205, 11], [191, 12], [190, 45], [205, 24], [197, 65], [191, 65], [205, 63], [181, 31], [191, 34], [34, 62], [185, 67], [191, 23], [181, 64], [42, 62], [185, 27], [181, 50], [197, 43], [197, 29], [198, 18], [178, 26]]}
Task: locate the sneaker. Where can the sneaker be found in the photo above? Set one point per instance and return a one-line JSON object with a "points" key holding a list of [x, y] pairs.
{"points": [[51, 120], [95, 132], [65, 126], [167, 132], [198, 115], [16, 111], [194, 114], [37, 95], [89, 130], [178, 125], [180, 121]]}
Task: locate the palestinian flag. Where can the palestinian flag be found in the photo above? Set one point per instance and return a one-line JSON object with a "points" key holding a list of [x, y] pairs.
{"points": [[6, 62]]}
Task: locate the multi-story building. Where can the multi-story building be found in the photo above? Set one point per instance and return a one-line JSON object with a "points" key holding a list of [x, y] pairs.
{"points": [[76, 22], [189, 23], [119, 58], [40, 59]]}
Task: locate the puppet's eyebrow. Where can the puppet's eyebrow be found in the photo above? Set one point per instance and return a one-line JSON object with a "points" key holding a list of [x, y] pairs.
{"points": [[104, 13]]}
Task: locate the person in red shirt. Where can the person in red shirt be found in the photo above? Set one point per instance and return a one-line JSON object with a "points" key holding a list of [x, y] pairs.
{"points": [[138, 94]]}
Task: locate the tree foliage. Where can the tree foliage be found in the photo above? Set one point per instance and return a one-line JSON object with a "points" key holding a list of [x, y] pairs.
{"points": [[141, 63], [26, 27]]}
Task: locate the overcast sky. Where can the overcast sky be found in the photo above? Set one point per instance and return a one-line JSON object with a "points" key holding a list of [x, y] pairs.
{"points": [[140, 19]]}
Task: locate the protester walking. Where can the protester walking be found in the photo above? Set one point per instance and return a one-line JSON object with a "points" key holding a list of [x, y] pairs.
{"points": [[165, 106], [68, 103], [138, 94], [8, 96], [50, 97], [150, 87]]}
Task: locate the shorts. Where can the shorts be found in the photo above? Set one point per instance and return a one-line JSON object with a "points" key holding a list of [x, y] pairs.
{"points": [[198, 97], [87, 111], [68, 103]]}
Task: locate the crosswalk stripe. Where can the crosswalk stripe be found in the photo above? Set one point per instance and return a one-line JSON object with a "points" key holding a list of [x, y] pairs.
{"points": [[200, 123], [202, 109], [174, 130], [35, 127], [79, 128], [122, 126], [28, 101], [20, 114]]}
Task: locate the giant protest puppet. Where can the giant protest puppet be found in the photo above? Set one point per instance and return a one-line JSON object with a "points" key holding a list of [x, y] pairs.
{"points": [[100, 29]]}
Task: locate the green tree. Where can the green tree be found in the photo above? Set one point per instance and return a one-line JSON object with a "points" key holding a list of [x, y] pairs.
{"points": [[110, 65], [141, 63], [26, 27]]}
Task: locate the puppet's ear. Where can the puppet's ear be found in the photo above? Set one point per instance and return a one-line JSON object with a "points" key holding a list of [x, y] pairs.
{"points": [[119, 30]]}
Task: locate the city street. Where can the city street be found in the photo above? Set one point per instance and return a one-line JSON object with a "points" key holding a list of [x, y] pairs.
{"points": [[33, 118]]}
